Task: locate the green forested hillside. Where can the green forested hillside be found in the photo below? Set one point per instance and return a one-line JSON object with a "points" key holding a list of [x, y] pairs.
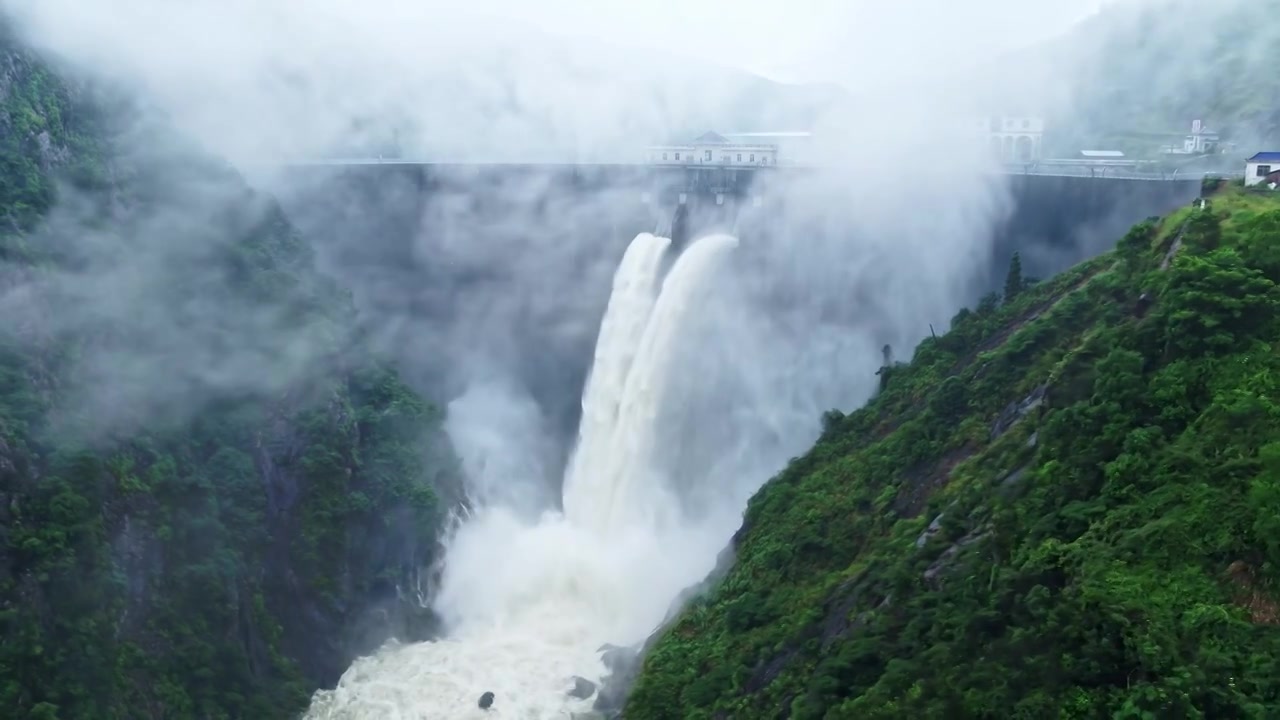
{"points": [[1141, 69], [1068, 506], [209, 497]]}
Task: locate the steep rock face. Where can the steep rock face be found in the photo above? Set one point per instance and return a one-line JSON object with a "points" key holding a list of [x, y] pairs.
{"points": [[211, 499], [1096, 537]]}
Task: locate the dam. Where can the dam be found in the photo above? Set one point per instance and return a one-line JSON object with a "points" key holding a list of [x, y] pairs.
{"points": [[1057, 219], [585, 299], [440, 245]]}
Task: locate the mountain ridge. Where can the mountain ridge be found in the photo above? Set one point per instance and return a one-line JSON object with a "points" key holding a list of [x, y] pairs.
{"points": [[1001, 500]]}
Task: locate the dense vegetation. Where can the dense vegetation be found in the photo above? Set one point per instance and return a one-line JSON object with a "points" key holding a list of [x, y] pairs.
{"points": [[1068, 506], [190, 526]]}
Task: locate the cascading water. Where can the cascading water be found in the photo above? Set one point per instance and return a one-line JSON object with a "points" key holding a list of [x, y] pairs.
{"points": [[635, 287], [528, 604], [623, 486]]}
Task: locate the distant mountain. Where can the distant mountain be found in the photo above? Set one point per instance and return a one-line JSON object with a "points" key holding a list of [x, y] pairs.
{"points": [[1135, 75], [1158, 67]]}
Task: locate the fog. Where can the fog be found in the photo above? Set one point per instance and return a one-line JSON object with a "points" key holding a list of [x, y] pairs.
{"points": [[254, 80], [489, 290]]}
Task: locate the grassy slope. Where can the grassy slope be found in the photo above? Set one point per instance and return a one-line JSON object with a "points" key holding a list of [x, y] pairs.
{"points": [[1115, 553], [181, 567]]}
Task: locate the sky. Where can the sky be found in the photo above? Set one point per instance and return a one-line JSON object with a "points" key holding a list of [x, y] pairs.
{"points": [[515, 78], [808, 40]]}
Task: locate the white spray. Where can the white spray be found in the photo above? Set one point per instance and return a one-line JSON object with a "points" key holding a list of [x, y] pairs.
{"points": [[527, 603]]}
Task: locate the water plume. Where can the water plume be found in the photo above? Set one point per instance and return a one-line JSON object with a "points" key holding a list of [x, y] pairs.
{"points": [[529, 601]]}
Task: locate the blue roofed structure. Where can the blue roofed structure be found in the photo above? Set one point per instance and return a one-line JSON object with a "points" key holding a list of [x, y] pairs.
{"points": [[1262, 169]]}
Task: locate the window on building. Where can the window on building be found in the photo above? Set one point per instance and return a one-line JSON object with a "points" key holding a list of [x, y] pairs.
{"points": [[707, 156], [726, 157], [677, 156], [739, 157], [664, 156], [1026, 124], [753, 157], [1264, 170]]}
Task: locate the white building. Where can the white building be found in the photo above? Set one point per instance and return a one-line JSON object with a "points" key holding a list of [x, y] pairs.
{"points": [[1013, 138], [793, 147], [1201, 141], [716, 150], [1101, 155], [1262, 169]]}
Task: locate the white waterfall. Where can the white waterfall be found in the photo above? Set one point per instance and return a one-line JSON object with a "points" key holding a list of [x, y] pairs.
{"points": [[625, 488], [527, 605], [635, 286]]}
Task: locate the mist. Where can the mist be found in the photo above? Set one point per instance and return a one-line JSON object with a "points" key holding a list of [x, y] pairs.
{"points": [[489, 289], [504, 80]]}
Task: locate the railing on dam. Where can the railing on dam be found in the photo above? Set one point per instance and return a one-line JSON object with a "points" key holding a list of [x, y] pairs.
{"points": [[1114, 171], [1046, 168]]}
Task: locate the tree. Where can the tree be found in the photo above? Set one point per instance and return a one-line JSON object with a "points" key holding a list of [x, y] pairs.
{"points": [[1013, 281], [1214, 302], [43, 711], [950, 400], [988, 305]]}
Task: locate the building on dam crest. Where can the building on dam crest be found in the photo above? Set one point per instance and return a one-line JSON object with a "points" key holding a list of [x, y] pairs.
{"points": [[1012, 138], [1201, 141], [716, 150]]}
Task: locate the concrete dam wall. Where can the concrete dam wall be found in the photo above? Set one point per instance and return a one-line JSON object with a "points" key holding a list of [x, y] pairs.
{"points": [[1057, 222], [470, 272]]}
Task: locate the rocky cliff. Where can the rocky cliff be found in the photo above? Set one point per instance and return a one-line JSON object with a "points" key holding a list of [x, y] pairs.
{"points": [[211, 499]]}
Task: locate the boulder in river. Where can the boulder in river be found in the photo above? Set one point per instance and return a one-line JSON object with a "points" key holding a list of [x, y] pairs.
{"points": [[582, 688], [623, 664]]}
